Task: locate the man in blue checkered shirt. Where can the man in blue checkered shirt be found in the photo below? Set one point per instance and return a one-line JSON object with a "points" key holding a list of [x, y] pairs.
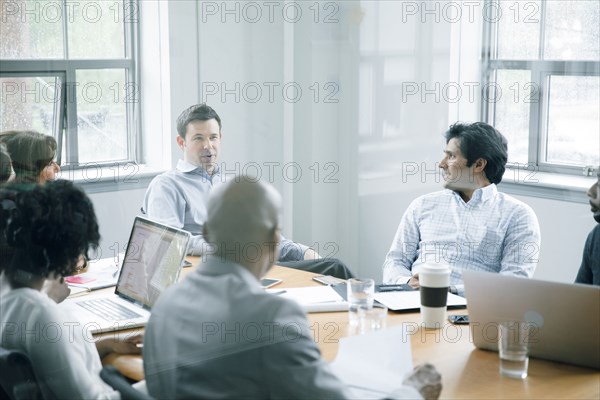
{"points": [[469, 225]]}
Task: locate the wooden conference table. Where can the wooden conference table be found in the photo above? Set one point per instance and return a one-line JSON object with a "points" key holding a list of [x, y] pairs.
{"points": [[466, 371]]}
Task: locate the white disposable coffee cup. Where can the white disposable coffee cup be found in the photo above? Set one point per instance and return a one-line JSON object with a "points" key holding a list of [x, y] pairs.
{"points": [[434, 280]]}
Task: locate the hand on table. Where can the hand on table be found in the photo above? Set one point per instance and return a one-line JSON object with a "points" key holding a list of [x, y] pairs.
{"points": [[427, 380], [56, 288], [414, 281], [124, 346]]}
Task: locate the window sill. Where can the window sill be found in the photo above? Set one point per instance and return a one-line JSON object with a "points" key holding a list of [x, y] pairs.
{"points": [[547, 185], [118, 177]]}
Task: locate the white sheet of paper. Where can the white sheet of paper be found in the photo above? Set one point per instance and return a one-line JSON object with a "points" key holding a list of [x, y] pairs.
{"points": [[314, 299], [310, 294], [411, 300], [377, 361]]}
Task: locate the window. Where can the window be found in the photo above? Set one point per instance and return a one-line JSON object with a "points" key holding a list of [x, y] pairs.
{"points": [[69, 68], [541, 81]]}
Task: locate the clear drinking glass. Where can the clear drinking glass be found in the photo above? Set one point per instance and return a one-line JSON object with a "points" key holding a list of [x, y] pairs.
{"points": [[372, 319], [513, 346], [360, 295]]}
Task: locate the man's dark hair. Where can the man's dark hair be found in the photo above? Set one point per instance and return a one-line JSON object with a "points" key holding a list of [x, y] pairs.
{"points": [[30, 152], [197, 112], [480, 140], [45, 228]]}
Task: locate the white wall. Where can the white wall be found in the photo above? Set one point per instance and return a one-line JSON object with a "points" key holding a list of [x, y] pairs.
{"points": [[115, 212], [564, 228], [282, 135], [381, 143]]}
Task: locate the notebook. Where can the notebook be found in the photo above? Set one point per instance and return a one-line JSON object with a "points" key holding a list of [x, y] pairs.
{"points": [[153, 260], [102, 273], [565, 316], [411, 300]]}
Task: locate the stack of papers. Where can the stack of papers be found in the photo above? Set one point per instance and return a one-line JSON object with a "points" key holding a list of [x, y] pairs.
{"points": [[314, 298]]}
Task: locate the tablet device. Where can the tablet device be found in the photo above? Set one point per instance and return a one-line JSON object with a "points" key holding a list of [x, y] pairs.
{"points": [[269, 282]]}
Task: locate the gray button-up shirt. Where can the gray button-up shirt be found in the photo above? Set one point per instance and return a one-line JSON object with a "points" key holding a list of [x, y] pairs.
{"points": [[178, 198]]}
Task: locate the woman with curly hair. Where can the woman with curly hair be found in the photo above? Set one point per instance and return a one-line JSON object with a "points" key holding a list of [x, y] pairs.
{"points": [[33, 155], [43, 231]]}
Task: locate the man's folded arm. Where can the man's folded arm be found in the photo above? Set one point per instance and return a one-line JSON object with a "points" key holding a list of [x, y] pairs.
{"points": [[291, 251], [397, 267]]}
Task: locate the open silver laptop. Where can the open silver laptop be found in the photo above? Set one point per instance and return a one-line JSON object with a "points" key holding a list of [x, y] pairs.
{"points": [[565, 317], [153, 260]]}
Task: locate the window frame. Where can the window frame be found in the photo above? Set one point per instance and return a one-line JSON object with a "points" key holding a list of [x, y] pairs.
{"points": [[541, 70], [65, 108]]}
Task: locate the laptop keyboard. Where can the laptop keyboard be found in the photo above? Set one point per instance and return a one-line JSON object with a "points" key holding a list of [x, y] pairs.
{"points": [[108, 309]]}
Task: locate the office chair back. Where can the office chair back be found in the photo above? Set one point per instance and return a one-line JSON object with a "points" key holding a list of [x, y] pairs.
{"points": [[113, 377], [17, 379]]}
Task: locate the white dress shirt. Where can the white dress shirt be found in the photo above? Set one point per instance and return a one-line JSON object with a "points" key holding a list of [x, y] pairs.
{"points": [[62, 353]]}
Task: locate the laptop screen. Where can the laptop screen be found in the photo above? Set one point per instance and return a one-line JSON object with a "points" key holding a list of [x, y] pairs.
{"points": [[152, 261]]}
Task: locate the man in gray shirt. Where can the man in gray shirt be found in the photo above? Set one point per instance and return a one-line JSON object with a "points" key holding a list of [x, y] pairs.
{"points": [[178, 197], [229, 338]]}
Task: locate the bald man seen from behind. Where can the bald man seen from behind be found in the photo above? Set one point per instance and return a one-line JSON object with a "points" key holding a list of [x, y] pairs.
{"points": [[219, 335]]}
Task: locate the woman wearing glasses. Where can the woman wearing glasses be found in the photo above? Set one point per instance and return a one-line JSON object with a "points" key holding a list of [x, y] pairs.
{"points": [[33, 155]]}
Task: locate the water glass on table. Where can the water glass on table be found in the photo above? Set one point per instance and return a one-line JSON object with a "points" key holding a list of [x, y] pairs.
{"points": [[360, 295], [372, 319], [513, 347]]}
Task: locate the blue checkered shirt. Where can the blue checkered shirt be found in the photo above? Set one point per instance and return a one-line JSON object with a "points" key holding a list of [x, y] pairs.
{"points": [[492, 232]]}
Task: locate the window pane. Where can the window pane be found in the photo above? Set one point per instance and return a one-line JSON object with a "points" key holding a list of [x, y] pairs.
{"points": [[512, 97], [101, 115], [97, 29], [391, 29], [574, 120], [572, 30], [519, 30], [28, 103], [31, 30]]}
